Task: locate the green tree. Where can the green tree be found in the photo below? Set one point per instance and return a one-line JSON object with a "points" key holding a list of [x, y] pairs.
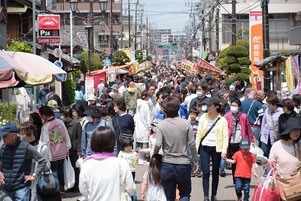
{"points": [[19, 46], [68, 88], [235, 59], [96, 63], [120, 58], [139, 56]]}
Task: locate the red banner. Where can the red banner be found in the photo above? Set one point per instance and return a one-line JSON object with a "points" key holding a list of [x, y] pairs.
{"points": [[49, 22], [206, 66]]}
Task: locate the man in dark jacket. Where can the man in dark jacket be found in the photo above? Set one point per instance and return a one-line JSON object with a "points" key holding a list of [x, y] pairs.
{"points": [[16, 157]]}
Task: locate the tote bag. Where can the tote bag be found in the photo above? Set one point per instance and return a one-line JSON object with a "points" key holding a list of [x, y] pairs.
{"points": [[267, 188]]}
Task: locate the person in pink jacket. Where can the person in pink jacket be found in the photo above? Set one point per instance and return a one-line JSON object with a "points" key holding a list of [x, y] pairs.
{"points": [[238, 127]]}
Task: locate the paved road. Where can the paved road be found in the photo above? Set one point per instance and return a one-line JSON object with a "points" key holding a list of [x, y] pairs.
{"points": [[226, 191]]}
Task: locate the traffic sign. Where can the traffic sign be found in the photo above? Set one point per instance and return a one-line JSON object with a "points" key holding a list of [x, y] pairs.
{"points": [[58, 63], [57, 52]]}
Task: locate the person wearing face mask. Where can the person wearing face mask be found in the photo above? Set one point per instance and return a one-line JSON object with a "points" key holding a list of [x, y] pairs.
{"points": [[238, 128], [94, 121], [201, 90]]}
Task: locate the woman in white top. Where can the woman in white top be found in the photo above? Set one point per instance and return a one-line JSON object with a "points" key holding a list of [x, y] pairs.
{"points": [[103, 176]]}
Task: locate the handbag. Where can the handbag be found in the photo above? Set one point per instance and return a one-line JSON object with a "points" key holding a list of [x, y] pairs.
{"points": [[48, 183], [208, 131], [69, 175], [266, 188], [290, 188], [123, 135]]}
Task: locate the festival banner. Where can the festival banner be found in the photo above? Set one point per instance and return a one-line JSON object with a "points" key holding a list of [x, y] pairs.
{"points": [[289, 74], [256, 47], [188, 65], [205, 67], [297, 74], [136, 67]]}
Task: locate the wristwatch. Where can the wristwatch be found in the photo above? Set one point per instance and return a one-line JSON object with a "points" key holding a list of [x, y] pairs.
{"points": [[34, 174]]}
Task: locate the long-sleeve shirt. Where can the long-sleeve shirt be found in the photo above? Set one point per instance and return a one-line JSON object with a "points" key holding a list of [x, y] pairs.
{"points": [[269, 126], [87, 131], [101, 179], [174, 135], [54, 134], [221, 133]]}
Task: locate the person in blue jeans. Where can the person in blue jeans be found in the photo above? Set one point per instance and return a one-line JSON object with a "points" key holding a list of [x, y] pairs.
{"points": [[16, 157], [174, 135], [212, 142], [245, 165]]}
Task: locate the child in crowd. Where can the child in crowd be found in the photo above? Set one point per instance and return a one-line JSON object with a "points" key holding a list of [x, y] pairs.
{"points": [[193, 113], [245, 163], [199, 107], [152, 189], [152, 141], [129, 154]]}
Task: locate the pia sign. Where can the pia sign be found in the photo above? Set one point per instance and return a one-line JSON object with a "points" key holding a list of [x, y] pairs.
{"points": [[48, 22], [49, 29]]}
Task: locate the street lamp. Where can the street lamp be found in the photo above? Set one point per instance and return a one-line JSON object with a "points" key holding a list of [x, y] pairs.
{"points": [[89, 25]]}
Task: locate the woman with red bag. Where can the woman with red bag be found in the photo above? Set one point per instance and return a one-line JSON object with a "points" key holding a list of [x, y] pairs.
{"points": [[285, 156]]}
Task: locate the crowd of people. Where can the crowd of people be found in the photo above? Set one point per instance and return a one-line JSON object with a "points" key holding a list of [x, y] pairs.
{"points": [[180, 124]]}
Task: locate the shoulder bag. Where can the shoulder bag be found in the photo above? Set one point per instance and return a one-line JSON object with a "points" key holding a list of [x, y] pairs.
{"points": [[290, 188], [121, 134], [208, 131]]}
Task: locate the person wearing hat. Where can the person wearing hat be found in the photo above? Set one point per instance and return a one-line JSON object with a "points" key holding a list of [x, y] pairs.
{"points": [[245, 165], [94, 120], [131, 96], [285, 154], [269, 126], [55, 134], [16, 157], [91, 100], [55, 108], [212, 142]]}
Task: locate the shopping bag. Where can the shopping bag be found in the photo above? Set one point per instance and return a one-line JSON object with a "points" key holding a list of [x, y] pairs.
{"points": [[267, 188], [69, 175], [48, 183]]}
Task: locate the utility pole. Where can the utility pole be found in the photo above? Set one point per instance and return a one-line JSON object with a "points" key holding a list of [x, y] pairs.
{"points": [[136, 27], [233, 22], [121, 20], [217, 30], [147, 34], [111, 31], [141, 27], [129, 18], [266, 42]]}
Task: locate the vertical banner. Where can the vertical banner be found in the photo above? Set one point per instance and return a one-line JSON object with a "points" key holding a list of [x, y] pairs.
{"points": [[289, 74], [297, 72], [256, 48], [89, 86]]}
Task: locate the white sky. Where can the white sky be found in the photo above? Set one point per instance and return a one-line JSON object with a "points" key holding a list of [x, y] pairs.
{"points": [[172, 14]]}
